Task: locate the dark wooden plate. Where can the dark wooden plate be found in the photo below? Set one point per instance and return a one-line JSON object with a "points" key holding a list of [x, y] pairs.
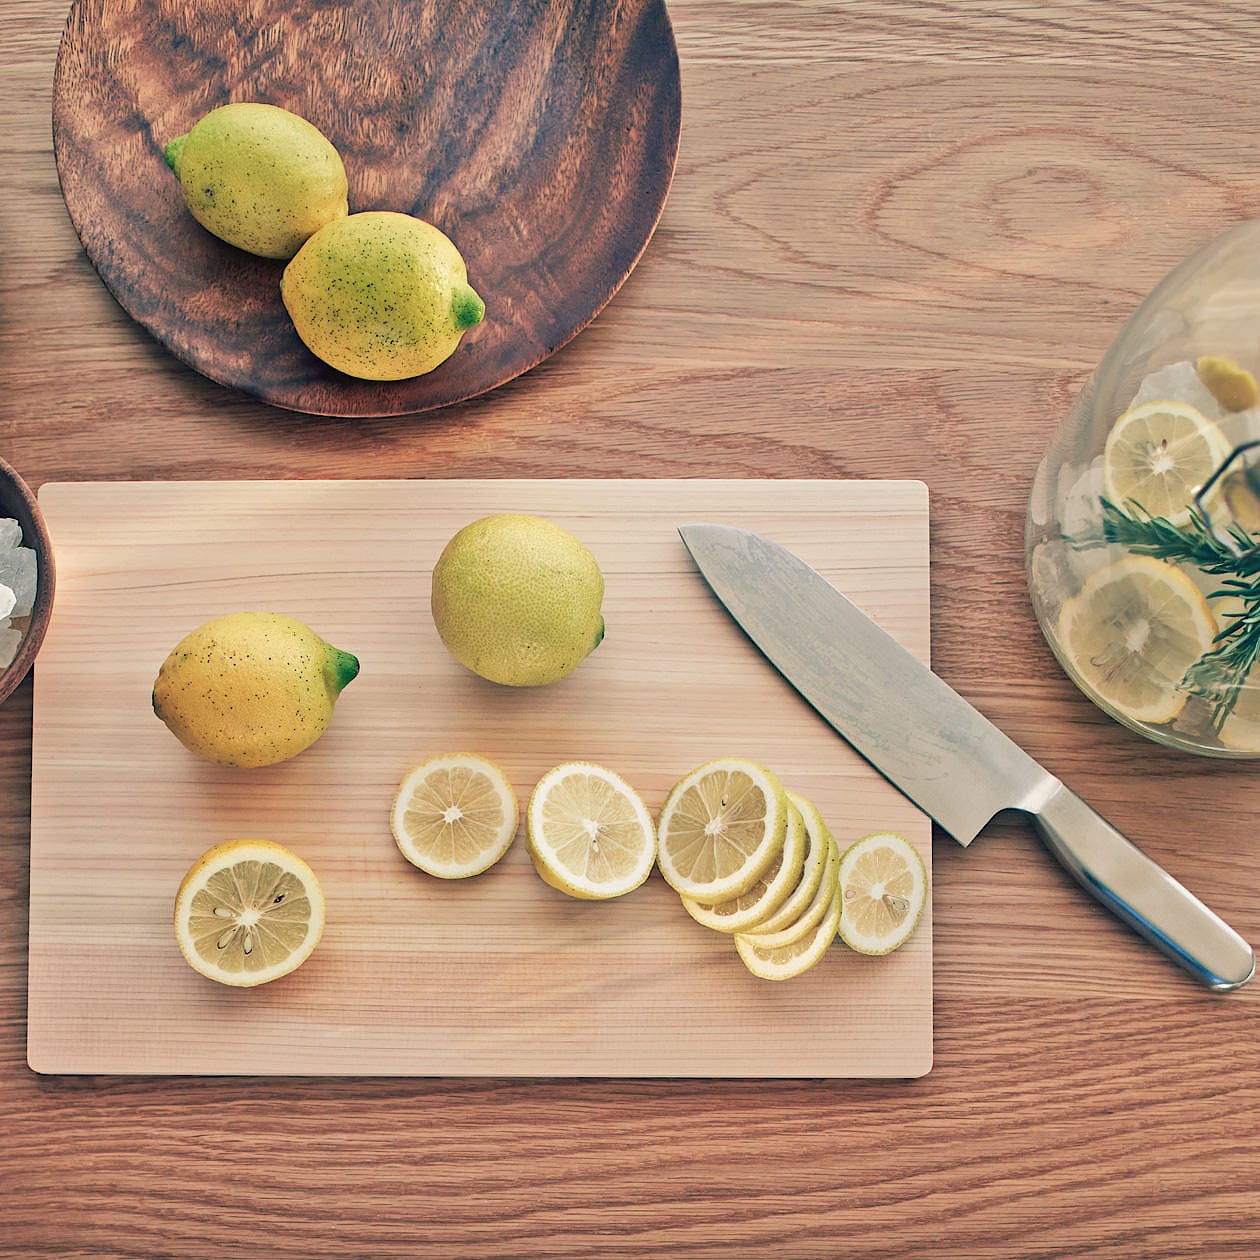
{"points": [[540, 135]]}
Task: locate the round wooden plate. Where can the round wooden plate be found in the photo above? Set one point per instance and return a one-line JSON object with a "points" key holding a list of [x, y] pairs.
{"points": [[540, 135]]}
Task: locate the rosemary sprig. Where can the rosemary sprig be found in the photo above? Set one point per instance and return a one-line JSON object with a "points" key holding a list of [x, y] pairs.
{"points": [[1217, 676]]}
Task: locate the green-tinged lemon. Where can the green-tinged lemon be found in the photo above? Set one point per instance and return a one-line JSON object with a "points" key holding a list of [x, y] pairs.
{"points": [[517, 598], [251, 688], [248, 911], [261, 178], [380, 295], [588, 832]]}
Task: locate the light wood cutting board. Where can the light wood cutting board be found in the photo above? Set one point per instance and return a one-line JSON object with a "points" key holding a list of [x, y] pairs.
{"points": [[497, 975]]}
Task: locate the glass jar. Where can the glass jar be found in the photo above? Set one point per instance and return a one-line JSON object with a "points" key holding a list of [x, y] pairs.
{"points": [[1143, 530]]}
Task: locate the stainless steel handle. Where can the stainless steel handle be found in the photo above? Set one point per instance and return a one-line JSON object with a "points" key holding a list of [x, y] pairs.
{"points": [[1140, 892]]}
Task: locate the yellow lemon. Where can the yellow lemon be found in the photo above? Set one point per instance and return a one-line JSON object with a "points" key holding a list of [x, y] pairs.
{"points": [[1232, 386], [516, 599], [261, 178], [251, 688], [380, 295], [248, 911]]}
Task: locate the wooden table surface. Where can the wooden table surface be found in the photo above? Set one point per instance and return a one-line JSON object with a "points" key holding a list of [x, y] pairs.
{"points": [[900, 236]]}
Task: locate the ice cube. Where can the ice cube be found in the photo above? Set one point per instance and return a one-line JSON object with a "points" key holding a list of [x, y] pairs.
{"points": [[17, 572], [10, 533], [7, 601], [9, 640]]}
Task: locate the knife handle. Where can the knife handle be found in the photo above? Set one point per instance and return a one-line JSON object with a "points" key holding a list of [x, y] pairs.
{"points": [[1140, 893]]}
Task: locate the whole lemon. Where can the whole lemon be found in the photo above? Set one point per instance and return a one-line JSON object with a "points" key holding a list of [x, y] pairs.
{"points": [[261, 178], [380, 295], [251, 688], [517, 599]]}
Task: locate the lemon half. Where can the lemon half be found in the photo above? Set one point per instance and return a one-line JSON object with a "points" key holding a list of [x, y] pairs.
{"points": [[247, 912]]}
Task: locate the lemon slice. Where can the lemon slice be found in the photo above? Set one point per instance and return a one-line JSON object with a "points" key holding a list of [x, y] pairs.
{"points": [[588, 833], [1131, 633], [744, 912], [818, 843], [1158, 455], [782, 962], [248, 911], [455, 815], [720, 829], [813, 913], [884, 887]]}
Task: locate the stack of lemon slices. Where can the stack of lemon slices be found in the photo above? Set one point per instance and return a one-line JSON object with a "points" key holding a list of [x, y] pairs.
{"points": [[756, 861]]}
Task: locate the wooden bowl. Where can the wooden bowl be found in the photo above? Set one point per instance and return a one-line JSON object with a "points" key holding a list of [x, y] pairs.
{"points": [[17, 502], [540, 137]]}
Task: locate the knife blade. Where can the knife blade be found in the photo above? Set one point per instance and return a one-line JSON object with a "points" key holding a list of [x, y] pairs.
{"points": [[939, 750]]}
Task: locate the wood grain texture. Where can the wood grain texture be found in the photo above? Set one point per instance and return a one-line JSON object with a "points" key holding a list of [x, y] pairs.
{"points": [[545, 156], [900, 236], [414, 976]]}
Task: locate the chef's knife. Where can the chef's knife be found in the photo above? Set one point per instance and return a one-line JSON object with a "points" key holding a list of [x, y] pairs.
{"points": [[942, 753]]}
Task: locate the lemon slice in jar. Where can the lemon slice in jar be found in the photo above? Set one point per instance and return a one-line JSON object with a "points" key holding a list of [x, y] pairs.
{"points": [[1131, 633], [1158, 455]]}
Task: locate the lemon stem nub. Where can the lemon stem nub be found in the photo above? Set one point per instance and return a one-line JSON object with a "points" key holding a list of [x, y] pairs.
{"points": [[342, 668], [172, 152], [467, 307]]}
